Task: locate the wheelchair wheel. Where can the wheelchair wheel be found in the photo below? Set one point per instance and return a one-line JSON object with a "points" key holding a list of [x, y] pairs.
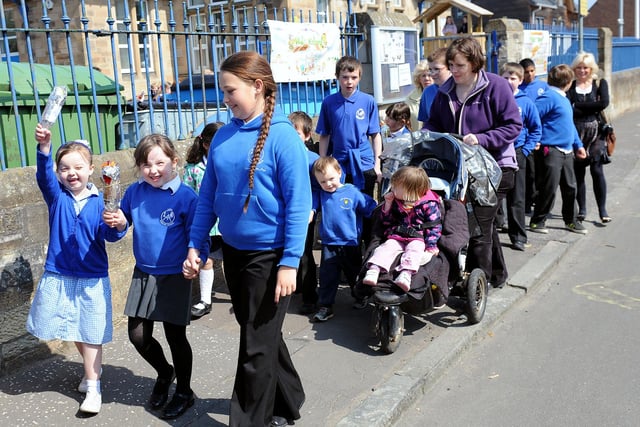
{"points": [[476, 296], [391, 327]]}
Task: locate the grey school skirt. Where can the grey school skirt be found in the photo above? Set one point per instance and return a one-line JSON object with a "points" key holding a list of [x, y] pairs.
{"points": [[164, 298]]}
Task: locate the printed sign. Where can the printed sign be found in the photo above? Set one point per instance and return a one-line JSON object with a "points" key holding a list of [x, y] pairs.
{"points": [[302, 52], [537, 45]]}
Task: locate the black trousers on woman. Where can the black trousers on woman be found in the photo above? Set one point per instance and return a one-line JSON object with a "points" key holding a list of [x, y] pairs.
{"points": [[588, 132], [266, 383], [485, 250]]}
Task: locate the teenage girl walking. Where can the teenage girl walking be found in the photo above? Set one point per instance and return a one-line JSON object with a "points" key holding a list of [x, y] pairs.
{"points": [[73, 299], [161, 208], [257, 184], [193, 173]]}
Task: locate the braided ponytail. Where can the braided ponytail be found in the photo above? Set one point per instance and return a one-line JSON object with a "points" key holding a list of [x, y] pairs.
{"points": [[269, 107], [250, 66]]}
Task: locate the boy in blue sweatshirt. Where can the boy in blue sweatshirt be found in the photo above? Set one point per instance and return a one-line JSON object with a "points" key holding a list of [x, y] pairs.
{"points": [[343, 207], [528, 140], [554, 158], [532, 87]]}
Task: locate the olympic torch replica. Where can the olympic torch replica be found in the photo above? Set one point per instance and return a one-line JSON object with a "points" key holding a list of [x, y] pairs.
{"points": [[111, 190]]}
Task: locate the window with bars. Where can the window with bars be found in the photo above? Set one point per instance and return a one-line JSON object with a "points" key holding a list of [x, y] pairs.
{"points": [[203, 47], [141, 43], [9, 39]]}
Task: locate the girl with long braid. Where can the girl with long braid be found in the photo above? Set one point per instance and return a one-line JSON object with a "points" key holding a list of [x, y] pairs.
{"points": [[257, 185]]}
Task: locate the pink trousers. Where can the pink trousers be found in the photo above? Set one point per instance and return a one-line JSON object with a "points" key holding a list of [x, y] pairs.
{"points": [[412, 252]]}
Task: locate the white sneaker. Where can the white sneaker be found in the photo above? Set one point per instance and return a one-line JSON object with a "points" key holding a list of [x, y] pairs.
{"points": [[371, 277], [403, 280], [92, 402], [82, 387]]}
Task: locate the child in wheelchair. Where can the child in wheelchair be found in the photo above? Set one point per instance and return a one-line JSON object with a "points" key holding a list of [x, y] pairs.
{"points": [[411, 219]]}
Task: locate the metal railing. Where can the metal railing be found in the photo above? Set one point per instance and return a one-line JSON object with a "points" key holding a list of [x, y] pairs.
{"points": [[565, 43], [185, 42]]}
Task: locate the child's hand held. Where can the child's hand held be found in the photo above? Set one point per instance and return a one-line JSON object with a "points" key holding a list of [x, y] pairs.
{"points": [[191, 265]]}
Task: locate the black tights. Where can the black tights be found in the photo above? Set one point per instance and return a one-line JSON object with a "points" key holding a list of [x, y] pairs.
{"points": [[141, 336]]}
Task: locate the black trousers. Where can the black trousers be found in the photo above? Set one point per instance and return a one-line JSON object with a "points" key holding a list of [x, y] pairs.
{"points": [[531, 192], [595, 146], [307, 279], [266, 382], [516, 201], [599, 185], [485, 250], [553, 168]]}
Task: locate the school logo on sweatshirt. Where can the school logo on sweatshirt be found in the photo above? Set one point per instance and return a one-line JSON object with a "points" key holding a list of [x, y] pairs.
{"points": [[168, 217], [250, 159], [346, 203], [360, 114]]}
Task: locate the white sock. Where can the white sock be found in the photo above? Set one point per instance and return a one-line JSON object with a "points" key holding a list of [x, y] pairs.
{"points": [[206, 285], [93, 385]]}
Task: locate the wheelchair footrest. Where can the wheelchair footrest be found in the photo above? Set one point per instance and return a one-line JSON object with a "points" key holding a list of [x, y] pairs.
{"points": [[390, 298]]}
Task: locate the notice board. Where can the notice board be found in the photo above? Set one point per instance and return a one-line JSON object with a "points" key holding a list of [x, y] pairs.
{"points": [[394, 55]]}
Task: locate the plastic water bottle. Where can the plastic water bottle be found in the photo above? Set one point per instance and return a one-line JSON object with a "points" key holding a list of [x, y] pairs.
{"points": [[54, 105]]}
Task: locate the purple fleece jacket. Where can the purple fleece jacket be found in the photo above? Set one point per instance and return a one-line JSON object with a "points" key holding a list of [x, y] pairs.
{"points": [[490, 113]]}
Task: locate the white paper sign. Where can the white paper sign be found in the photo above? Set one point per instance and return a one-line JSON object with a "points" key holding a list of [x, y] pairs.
{"points": [[303, 52]]}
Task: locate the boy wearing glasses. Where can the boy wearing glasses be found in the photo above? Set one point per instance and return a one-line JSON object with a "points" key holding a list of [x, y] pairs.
{"points": [[440, 73]]}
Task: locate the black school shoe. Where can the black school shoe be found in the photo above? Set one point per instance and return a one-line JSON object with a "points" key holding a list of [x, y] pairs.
{"points": [[197, 313], [160, 392], [277, 421], [178, 405]]}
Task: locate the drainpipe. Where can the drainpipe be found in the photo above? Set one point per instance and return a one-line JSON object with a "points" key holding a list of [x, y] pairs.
{"points": [[637, 15], [621, 19], [533, 14]]}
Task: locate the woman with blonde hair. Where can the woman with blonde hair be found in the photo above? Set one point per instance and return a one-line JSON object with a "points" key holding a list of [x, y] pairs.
{"points": [[589, 96], [421, 80]]}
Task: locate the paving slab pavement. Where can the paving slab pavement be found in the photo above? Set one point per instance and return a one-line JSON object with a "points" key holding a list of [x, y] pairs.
{"points": [[348, 381]]}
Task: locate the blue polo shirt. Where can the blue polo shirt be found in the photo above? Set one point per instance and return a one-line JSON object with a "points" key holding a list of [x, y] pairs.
{"points": [[350, 122]]}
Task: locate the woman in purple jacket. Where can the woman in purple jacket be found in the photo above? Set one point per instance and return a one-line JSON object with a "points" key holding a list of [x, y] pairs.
{"points": [[481, 108]]}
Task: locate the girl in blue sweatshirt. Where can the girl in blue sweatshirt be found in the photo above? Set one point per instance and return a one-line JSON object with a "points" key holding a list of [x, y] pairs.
{"points": [[161, 208], [73, 299], [257, 186]]}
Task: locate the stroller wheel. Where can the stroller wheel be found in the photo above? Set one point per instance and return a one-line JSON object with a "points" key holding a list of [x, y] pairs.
{"points": [[476, 296], [391, 327]]}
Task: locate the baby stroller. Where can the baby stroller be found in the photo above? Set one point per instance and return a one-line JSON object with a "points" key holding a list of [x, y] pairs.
{"points": [[442, 158]]}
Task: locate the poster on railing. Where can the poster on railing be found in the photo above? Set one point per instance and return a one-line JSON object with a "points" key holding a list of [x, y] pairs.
{"points": [[303, 52], [537, 46]]}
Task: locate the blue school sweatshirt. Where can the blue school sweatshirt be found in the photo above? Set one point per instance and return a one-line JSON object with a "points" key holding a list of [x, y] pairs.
{"points": [[556, 116], [531, 127], [76, 240], [278, 212], [161, 219]]}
